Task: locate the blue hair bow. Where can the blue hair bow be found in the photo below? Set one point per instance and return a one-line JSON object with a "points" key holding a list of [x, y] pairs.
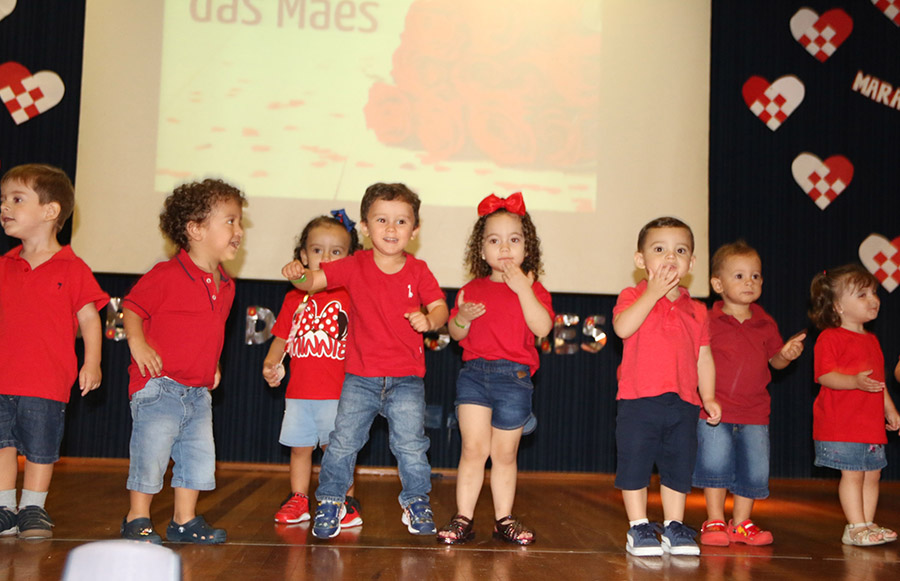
{"points": [[342, 217]]}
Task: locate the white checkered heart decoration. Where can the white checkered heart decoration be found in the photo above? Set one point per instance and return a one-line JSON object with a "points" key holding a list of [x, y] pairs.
{"points": [[822, 181], [882, 257], [821, 35], [6, 8], [773, 103], [28, 95], [891, 9]]}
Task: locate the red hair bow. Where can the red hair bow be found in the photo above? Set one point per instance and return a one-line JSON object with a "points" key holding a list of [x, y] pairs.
{"points": [[514, 203]]}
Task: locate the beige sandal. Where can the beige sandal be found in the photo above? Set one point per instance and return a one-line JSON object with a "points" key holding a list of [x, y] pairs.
{"points": [[862, 536], [886, 533]]}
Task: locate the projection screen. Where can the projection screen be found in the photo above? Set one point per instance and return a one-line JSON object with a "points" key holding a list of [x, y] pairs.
{"points": [[597, 110]]}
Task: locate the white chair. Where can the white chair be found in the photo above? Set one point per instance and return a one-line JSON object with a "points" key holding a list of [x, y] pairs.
{"points": [[122, 560]]}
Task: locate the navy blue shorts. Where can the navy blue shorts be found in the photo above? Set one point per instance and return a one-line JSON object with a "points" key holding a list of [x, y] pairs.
{"points": [[33, 425], [659, 430], [504, 386]]}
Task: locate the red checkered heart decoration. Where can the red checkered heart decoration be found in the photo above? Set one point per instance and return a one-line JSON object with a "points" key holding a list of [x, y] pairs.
{"points": [[891, 9], [882, 257], [823, 181], [773, 103], [821, 35], [25, 95], [6, 8]]}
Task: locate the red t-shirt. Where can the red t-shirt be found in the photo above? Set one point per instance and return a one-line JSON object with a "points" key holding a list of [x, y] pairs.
{"points": [[316, 341], [742, 352], [38, 320], [848, 415], [661, 356], [184, 320], [501, 332], [383, 344]]}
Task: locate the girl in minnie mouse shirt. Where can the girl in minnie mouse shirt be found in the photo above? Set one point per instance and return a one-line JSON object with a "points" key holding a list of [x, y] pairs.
{"points": [[496, 319], [312, 329]]}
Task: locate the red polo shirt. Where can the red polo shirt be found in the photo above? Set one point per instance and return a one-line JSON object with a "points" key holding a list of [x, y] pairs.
{"points": [[742, 352], [661, 356], [184, 320], [382, 342], [38, 320]]}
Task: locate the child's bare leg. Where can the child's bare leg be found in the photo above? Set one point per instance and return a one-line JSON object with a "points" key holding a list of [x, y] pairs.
{"points": [[635, 503], [504, 469], [185, 505], [850, 492], [140, 505], [38, 476], [9, 468], [476, 433], [673, 503], [871, 481], [715, 503], [301, 469], [743, 506]]}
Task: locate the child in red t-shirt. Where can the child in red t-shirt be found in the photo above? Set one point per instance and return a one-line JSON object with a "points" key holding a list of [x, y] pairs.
{"points": [[174, 318], [496, 319], [46, 293], [385, 355], [853, 405], [734, 456], [312, 328]]}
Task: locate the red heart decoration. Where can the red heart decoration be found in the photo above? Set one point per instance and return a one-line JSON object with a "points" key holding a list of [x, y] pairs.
{"points": [[821, 35], [891, 9], [773, 103], [28, 95], [882, 258], [823, 181]]}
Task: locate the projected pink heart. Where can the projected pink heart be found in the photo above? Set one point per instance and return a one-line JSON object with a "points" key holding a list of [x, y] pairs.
{"points": [[821, 35], [28, 95], [891, 9], [882, 256], [6, 8], [773, 103], [823, 181]]}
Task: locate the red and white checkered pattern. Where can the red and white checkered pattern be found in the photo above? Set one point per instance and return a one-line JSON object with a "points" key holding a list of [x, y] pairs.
{"points": [[25, 95], [891, 9], [773, 103], [882, 258], [822, 181], [821, 35]]}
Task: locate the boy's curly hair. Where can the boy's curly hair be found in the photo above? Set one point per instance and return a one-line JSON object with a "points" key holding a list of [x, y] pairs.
{"points": [[389, 192], [478, 266], [326, 221], [193, 202], [51, 184], [828, 286]]}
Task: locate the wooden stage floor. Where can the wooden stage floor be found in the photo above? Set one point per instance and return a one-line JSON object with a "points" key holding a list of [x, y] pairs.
{"points": [[579, 521]]}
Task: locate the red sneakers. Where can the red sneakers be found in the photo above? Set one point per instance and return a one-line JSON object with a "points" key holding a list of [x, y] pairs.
{"points": [[295, 509], [713, 533], [352, 517], [748, 533]]}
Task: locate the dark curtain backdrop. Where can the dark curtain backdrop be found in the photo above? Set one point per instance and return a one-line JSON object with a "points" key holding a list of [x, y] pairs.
{"points": [[752, 196]]}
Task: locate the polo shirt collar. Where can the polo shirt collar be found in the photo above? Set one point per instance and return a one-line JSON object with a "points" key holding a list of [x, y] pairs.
{"points": [[64, 253], [192, 270], [755, 313]]}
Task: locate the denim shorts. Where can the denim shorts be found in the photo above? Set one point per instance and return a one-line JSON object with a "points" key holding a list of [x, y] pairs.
{"points": [[733, 456], [504, 386], [33, 425], [307, 422], [171, 420], [660, 430], [850, 456]]}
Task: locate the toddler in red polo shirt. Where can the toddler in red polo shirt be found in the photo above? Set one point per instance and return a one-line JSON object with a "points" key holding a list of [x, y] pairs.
{"points": [[734, 456], [174, 318], [667, 373], [46, 293]]}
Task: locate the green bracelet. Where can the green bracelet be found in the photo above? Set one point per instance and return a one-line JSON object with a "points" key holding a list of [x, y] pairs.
{"points": [[456, 322]]}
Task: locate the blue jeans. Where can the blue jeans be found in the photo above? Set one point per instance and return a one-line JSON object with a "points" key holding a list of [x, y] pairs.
{"points": [[33, 425], [402, 401], [171, 420], [733, 456]]}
